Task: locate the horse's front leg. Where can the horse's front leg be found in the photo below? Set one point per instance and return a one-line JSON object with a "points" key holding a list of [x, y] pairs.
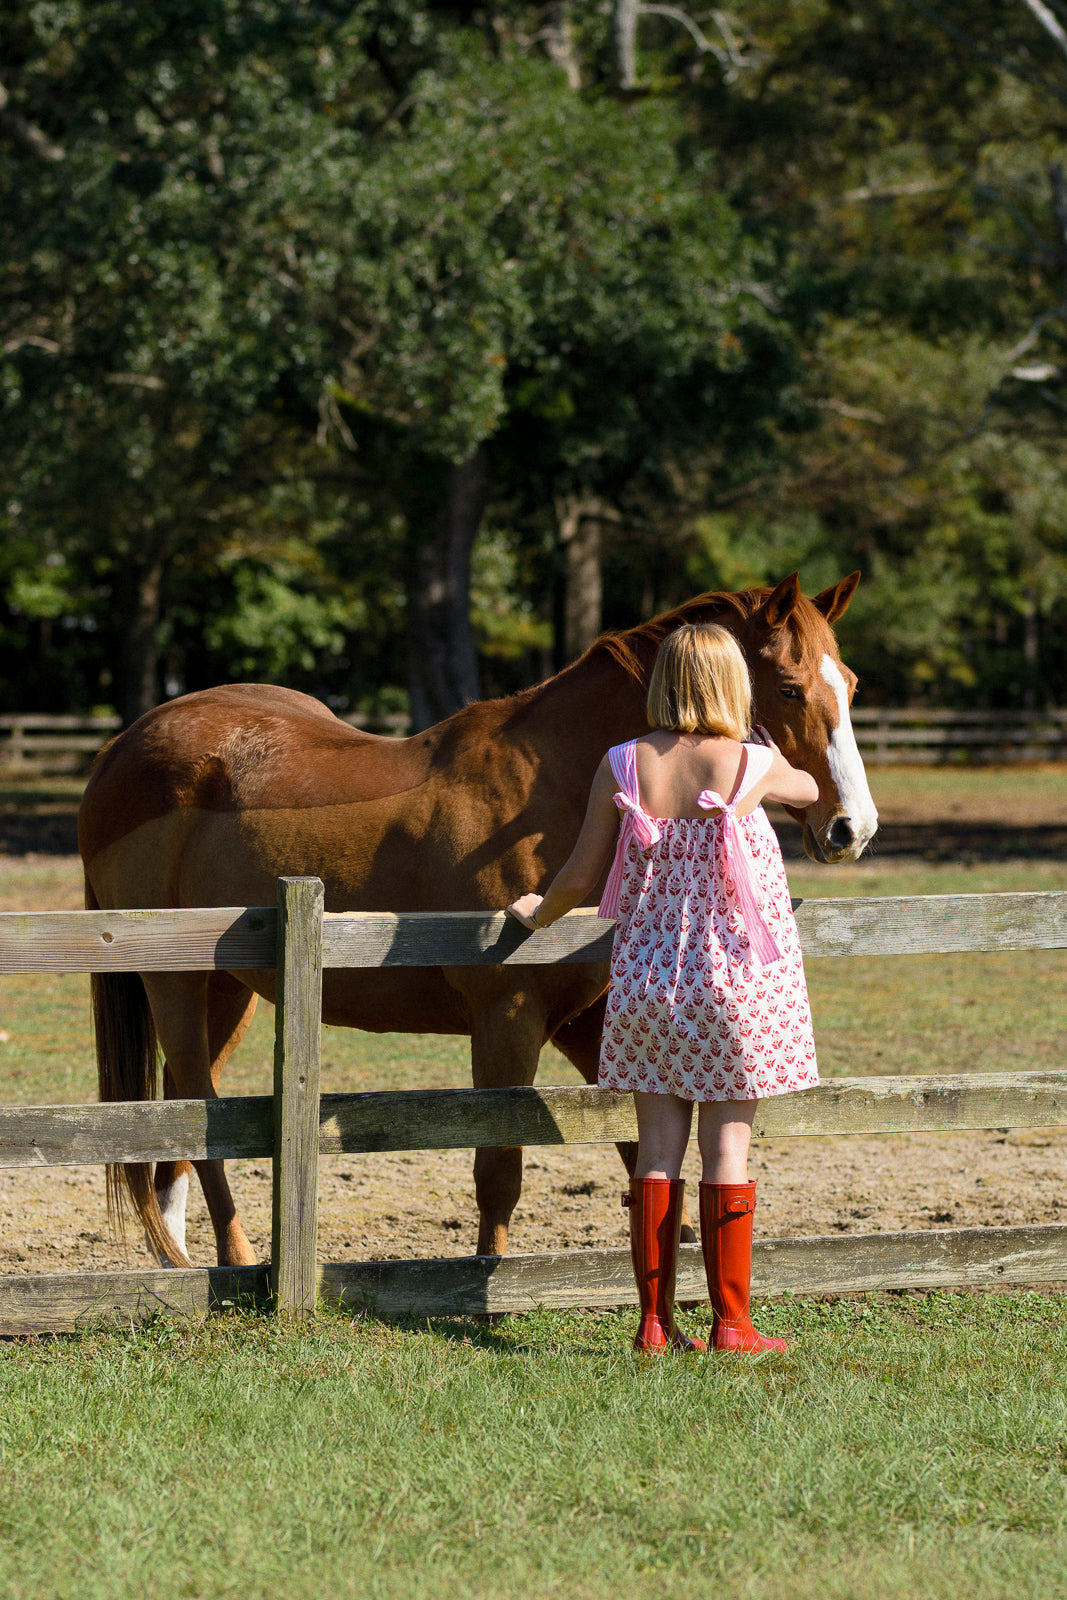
{"points": [[507, 1032], [579, 1041]]}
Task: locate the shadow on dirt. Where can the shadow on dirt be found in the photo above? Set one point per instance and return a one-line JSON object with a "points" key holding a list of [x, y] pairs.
{"points": [[45, 822], [948, 841]]}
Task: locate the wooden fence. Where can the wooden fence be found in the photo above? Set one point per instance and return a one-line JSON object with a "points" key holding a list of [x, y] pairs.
{"points": [[34, 743], [296, 1124], [991, 738], [31, 743], [42, 744]]}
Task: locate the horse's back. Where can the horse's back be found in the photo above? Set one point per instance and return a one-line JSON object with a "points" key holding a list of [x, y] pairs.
{"points": [[234, 749]]}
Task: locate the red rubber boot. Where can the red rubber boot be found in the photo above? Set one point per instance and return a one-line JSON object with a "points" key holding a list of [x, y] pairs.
{"points": [[726, 1238], [655, 1224]]}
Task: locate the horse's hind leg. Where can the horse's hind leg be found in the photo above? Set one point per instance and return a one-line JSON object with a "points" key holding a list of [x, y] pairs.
{"points": [[579, 1041], [201, 1018], [230, 1008]]}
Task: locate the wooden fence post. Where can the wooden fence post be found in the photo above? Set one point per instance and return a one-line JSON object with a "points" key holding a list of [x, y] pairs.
{"points": [[297, 1037]]}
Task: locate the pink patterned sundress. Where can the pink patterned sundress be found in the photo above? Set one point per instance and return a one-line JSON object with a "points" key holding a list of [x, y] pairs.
{"points": [[707, 999]]}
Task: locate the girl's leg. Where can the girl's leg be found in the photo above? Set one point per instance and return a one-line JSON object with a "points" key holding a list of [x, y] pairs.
{"points": [[724, 1132], [655, 1201], [727, 1202], [663, 1123]]}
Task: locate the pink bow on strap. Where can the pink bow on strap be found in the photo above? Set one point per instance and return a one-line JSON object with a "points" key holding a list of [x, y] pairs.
{"points": [[737, 863], [636, 824]]}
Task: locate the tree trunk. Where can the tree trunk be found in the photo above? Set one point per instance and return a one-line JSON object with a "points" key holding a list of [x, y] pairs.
{"points": [[442, 660], [559, 40], [1031, 651], [623, 42], [578, 521], [140, 596]]}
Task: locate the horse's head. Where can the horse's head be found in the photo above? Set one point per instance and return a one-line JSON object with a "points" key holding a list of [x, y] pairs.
{"points": [[802, 691]]}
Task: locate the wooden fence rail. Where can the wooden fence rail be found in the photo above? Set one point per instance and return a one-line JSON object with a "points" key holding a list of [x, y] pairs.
{"points": [[922, 737], [32, 742], [298, 1123], [37, 743]]}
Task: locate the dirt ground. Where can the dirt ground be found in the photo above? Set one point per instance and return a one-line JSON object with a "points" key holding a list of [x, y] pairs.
{"points": [[409, 1205]]}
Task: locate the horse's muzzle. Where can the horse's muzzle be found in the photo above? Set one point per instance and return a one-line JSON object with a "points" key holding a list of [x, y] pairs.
{"points": [[843, 839]]}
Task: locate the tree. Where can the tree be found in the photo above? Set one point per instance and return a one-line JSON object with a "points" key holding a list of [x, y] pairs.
{"points": [[907, 155], [477, 285]]}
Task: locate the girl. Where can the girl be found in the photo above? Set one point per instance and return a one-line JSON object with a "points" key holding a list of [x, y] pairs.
{"points": [[707, 1000]]}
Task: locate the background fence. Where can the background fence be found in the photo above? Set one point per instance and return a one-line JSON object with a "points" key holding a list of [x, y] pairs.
{"points": [[42, 744], [937, 737], [297, 1123]]}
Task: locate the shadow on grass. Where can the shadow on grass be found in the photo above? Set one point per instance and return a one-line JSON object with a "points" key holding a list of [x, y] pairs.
{"points": [[38, 819]]}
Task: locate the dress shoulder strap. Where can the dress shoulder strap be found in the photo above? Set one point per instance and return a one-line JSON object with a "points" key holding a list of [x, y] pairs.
{"points": [[635, 823], [622, 758], [758, 759]]}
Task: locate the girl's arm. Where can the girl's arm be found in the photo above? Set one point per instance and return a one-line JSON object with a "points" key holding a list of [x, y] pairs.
{"points": [[789, 785], [581, 871]]}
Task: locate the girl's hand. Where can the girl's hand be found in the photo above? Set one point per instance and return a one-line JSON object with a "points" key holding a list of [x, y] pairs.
{"points": [[523, 909]]}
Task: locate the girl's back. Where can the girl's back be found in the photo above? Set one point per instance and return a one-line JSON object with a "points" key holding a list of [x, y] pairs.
{"points": [[673, 769]]}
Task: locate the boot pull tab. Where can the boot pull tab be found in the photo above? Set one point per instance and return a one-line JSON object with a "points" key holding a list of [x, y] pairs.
{"points": [[627, 1198], [740, 1205]]}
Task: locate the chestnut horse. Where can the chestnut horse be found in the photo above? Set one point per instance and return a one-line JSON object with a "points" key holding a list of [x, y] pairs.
{"points": [[211, 797]]}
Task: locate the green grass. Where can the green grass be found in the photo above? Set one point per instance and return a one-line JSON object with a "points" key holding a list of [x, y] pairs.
{"points": [[908, 1445], [961, 788]]}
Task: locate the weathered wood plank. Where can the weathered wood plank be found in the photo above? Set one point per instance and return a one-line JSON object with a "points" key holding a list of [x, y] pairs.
{"points": [[450, 1119], [955, 1258], [927, 1103], [239, 938], [297, 1036], [194, 1130], [228, 938], [837, 1264], [60, 1302], [152, 1130], [458, 1118], [951, 1258], [932, 924], [838, 926], [460, 938]]}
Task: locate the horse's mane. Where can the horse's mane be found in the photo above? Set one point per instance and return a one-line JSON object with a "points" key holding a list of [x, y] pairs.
{"points": [[635, 648]]}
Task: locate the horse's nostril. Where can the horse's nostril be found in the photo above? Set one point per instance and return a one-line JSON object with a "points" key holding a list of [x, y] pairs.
{"points": [[841, 833]]}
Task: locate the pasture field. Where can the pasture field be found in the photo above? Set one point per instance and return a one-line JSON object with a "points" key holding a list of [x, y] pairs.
{"points": [[904, 1446], [944, 831]]}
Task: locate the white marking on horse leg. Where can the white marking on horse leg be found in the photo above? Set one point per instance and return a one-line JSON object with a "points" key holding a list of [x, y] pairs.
{"points": [[172, 1205], [846, 763]]}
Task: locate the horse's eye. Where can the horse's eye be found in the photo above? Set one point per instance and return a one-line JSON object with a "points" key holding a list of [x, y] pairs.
{"points": [[789, 691]]}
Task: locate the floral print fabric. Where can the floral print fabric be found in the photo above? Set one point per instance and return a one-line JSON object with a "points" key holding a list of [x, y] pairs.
{"points": [[691, 1011]]}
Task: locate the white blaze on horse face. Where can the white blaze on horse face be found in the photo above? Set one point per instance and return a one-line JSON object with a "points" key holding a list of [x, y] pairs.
{"points": [[172, 1205], [846, 763]]}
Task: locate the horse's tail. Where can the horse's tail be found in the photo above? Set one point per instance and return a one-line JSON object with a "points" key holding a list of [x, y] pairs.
{"points": [[127, 1064]]}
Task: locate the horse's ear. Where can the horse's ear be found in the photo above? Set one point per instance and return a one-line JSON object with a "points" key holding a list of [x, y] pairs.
{"points": [[833, 603], [779, 607]]}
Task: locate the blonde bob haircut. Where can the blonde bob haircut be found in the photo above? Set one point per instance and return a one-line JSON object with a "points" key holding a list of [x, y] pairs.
{"points": [[700, 684]]}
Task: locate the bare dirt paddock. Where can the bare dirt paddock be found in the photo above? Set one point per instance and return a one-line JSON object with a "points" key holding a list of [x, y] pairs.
{"points": [[422, 1204]]}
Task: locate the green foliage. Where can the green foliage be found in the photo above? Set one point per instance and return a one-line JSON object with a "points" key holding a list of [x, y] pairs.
{"points": [[271, 269]]}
